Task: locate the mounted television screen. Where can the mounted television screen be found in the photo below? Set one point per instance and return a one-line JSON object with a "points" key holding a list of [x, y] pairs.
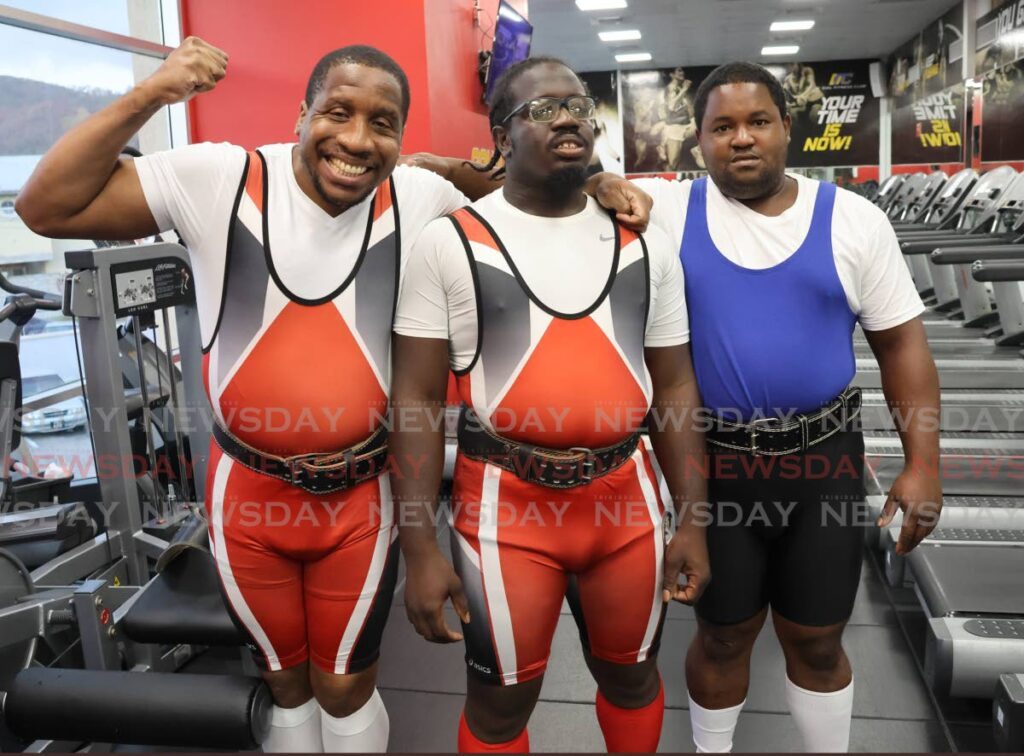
{"points": [[512, 35]]}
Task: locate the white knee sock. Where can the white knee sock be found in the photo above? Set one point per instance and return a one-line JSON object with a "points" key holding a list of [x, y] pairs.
{"points": [[823, 719], [713, 728], [294, 730], [362, 731]]}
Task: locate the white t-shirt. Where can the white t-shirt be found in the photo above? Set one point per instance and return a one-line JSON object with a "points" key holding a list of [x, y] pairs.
{"points": [[193, 189], [871, 268], [564, 261]]}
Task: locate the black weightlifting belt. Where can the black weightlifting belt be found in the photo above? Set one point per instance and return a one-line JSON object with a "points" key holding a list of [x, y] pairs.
{"points": [[553, 468], [316, 473], [772, 437]]}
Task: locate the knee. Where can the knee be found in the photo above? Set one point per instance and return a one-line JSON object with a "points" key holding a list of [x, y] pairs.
{"points": [[816, 653], [725, 645], [497, 714], [289, 687], [342, 695], [628, 686], [495, 726]]}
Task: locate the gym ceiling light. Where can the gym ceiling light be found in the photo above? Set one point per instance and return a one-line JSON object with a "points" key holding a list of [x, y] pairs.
{"points": [[780, 50], [783, 26], [633, 57], [626, 35]]}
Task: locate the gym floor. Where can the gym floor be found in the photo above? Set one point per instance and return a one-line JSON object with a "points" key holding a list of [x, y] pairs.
{"points": [[423, 685]]}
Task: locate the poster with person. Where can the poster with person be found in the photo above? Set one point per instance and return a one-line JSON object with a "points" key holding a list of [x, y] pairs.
{"points": [[603, 87], [835, 114], [659, 127], [1002, 138], [999, 36]]}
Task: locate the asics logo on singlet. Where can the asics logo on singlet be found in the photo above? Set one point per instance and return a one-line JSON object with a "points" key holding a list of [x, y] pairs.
{"points": [[479, 667]]}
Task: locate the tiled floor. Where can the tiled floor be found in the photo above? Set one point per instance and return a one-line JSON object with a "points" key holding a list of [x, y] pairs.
{"points": [[424, 684]]}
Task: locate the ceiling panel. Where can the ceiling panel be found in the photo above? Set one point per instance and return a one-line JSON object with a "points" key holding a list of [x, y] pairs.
{"points": [[709, 32]]}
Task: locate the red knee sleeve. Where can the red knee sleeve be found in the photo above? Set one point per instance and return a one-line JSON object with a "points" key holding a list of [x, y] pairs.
{"points": [[631, 730], [469, 743]]}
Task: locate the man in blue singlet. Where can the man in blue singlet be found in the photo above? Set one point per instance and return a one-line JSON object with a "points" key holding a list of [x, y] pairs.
{"points": [[779, 269]]}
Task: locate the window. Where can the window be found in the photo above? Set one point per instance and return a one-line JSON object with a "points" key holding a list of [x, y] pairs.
{"points": [[48, 84], [135, 18]]}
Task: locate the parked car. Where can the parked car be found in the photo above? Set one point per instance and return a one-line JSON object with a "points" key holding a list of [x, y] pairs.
{"points": [[59, 416]]}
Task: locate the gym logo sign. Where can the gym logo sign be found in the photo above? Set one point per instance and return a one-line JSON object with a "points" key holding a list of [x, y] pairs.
{"points": [[841, 80]]}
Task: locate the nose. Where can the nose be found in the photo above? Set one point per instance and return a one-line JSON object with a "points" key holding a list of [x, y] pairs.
{"points": [[742, 137], [355, 137], [564, 118]]}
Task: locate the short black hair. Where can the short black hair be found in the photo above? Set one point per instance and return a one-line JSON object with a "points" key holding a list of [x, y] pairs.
{"points": [[362, 55], [501, 96], [738, 72]]}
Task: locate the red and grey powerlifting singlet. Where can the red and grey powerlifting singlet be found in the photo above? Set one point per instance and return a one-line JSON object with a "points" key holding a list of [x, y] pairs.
{"points": [[288, 375], [550, 378]]}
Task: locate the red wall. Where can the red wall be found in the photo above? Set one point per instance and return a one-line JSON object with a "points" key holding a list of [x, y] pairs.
{"points": [[273, 48]]}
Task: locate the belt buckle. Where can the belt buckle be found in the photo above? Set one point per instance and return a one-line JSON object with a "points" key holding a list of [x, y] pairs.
{"points": [[754, 451], [299, 467], [589, 463]]}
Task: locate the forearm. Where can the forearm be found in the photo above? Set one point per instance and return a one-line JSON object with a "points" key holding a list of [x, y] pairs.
{"points": [[57, 192], [678, 444], [418, 463], [910, 383], [420, 370]]}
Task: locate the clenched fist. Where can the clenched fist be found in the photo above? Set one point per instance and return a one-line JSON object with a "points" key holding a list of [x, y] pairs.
{"points": [[194, 67]]}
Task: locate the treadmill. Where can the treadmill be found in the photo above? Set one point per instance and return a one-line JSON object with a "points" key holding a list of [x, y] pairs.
{"points": [[975, 219], [942, 213], [1006, 228], [969, 573], [915, 207], [911, 187], [887, 190]]}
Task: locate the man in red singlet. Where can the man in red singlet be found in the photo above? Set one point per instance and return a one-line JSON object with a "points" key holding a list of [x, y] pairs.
{"points": [[563, 329]]}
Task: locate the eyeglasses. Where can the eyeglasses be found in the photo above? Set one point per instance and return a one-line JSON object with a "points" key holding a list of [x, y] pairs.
{"points": [[546, 109]]}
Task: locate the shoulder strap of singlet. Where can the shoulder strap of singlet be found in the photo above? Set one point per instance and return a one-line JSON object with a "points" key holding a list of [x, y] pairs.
{"points": [[469, 226], [252, 183], [820, 232]]}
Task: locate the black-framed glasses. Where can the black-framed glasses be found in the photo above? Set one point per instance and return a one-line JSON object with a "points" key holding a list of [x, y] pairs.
{"points": [[546, 109]]}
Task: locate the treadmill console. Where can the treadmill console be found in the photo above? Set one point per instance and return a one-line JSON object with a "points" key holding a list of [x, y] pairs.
{"points": [[145, 286]]}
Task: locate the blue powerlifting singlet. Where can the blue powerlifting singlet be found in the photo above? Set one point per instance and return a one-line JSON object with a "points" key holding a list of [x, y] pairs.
{"points": [[772, 341]]}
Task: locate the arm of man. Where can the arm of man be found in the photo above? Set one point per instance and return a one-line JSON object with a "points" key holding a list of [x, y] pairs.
{"points": [[417, 448], [890, 309], [910, 383], [679, 447], [631, 205], [437, 283], [465, 175], [673, 425], [80, 188]]}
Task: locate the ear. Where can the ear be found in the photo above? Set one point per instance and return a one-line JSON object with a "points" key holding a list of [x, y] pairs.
{"points": [[787, 124], [303, 110], [502, 141]]}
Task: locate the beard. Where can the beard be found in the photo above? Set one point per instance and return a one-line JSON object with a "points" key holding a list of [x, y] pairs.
{"points": [[750, 187], [566, 181]]}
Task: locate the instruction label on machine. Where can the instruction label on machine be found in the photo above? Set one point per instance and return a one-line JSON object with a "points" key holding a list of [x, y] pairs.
{"points": [[152, 285]]}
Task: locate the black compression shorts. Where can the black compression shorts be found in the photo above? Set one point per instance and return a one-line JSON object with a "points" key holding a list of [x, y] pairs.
{"points": [[786, 532]]}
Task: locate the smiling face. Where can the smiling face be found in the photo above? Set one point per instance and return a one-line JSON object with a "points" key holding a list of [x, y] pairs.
{"points": [[546, 154], [744, 138], [350, 137]]}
